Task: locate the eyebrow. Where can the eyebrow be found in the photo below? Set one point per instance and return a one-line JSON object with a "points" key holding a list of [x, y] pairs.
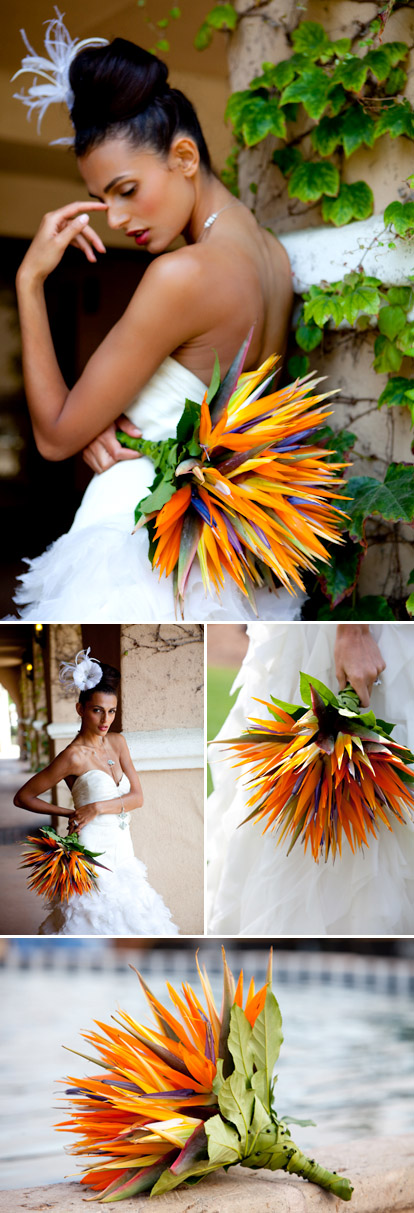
{"points": [[109, 187]]}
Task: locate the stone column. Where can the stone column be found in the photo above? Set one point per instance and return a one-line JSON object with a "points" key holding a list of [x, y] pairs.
{"points": [[65, 640], [162, 668]]}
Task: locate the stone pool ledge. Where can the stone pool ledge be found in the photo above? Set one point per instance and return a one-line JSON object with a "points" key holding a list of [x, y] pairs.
{"points": [[381, 1169]]}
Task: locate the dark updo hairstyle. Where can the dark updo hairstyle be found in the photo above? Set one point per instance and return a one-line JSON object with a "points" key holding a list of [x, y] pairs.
{"points": [[108, 684], [123, 89]]}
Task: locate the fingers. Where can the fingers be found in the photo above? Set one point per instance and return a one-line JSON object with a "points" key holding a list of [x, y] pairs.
{"points": [[80, 243], [72, 209], [123, 423]]}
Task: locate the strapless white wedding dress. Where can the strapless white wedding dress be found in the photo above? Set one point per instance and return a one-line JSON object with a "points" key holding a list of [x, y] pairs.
{"points": [[99, 571], [123, 903], [254, 888]]}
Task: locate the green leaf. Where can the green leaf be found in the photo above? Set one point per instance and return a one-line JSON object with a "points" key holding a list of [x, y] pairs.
{"points": [[393, 500], [337, 99], [399, 393], [327, 135], [309, 181], [204, 37], [396, 82], [175, 12], [391, 320], [342, 46], [409, 606], [223, 1142], [287, 158], [222, 16], [162, 23], [395, 120], [339, 578], [312, 89], [162, 44], [401, 216], [380, 61], [236, 1105], [260, 1084], [340, 442], [352, 73], [298, 365], [214, 381], [266, 1039], [189, 421], [405, 340], [293, 1120], [357, 128], [308, 336], [306, 681], [361, 298], [260, 117], [311, 40], [283, 73], [239, 1042], [354, 201], [387, 357], [401, 296], [323, 308], [168, 1180], [159, 496], [370, 607]]}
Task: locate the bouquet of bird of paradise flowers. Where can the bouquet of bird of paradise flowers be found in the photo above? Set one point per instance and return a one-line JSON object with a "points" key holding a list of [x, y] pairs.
{"points": [[60, 866], [324, 770], [243, 485], [176, 1102]]}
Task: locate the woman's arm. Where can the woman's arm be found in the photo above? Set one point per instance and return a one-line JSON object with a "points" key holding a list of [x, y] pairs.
{"points": [[130, 800], [357, 659], [29, 796], [169, 307]]}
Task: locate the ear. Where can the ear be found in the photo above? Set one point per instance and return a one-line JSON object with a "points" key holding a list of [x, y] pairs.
{"points": [[184, 155], [79, 709]]}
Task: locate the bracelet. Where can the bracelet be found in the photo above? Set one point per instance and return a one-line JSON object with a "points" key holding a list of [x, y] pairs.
{"points": [[123, 816]]}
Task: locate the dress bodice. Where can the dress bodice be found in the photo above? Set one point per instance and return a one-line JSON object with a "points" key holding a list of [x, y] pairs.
{"points": [[159, 405], [97, 785]]}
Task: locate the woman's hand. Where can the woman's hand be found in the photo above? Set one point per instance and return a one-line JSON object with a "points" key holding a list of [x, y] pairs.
{"points": [[105, 450], [357, 659], [59, 229], [82, 816]]}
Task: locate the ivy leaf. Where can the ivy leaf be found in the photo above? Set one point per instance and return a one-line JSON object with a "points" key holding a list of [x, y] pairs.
{"points": [[357, 128], [337, 98], [352, 73], [327, 135], [409, 606], [222, 16], [260, 117], [393, 500], [405, 340], [283, 73], [342, 46], [354, 201], [287, 158], [371, 607], [400, 295], [308, 336], [401, 216], [361, 298], [267, 1038], [309, 181], [380, 61], [391, 320], [399, 393], [395, 120], [312, 89], [235, 105], [323, 308], [298, 365], [223, 1142], [310, 39], [339, 578], [340, 442], [239, 1042], [236, 1105], [396, 82], [387, 357]]}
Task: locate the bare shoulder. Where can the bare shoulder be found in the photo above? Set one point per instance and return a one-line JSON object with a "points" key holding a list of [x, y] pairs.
{"points": [[71, 756], [181, 269]]}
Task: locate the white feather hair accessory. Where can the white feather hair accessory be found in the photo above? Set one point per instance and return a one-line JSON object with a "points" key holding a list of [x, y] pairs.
{"points": [[54, 69], [84, 671]]}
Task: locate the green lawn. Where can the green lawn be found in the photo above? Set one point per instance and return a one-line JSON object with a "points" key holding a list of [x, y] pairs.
{"points": [[219, 701]]}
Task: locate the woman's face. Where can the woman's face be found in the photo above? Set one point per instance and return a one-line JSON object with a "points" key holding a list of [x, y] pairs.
{"points": [[97, 713], [148, 196]]}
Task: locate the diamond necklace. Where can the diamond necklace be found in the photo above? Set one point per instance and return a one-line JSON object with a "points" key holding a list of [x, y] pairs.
{"points": [[214, 215]]}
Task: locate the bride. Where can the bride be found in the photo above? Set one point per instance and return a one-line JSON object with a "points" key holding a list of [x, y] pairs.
{"points": [[254, 887], [142, 156], [105, 788]]}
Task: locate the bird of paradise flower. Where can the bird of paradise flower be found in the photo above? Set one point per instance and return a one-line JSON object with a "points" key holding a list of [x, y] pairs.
{"points": [[324, 770], [256, 491], [178, 1101], [60, 866]]}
